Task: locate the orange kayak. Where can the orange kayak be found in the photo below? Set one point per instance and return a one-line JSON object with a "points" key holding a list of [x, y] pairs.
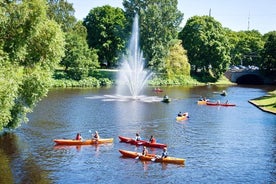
{"points": [[82, 142], [151, 157]]}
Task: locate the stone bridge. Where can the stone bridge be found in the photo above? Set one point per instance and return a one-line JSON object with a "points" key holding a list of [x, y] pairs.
{"points": [[247, 76]]}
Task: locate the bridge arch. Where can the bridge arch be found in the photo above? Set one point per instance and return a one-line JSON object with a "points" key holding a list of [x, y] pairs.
{"points": [[250, 79]]}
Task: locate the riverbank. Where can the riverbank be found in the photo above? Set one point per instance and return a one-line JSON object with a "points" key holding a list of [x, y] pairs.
{"points": [[107, 77], [266, 103]]}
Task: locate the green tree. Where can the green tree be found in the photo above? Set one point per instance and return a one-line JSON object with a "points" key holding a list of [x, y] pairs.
{"points": [[30, 48], [248, 48], [159, 24], [207, 45], [177, 64], [63, 13], [79, 59], [269, 53], [233, 39], [266, 35], [106, 32]]}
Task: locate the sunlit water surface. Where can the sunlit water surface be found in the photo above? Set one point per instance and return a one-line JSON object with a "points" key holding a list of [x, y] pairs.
{"points": [[220, 144]]}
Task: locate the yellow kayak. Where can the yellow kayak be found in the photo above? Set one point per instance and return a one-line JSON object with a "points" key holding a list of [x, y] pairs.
{"points": [[151, 157]]}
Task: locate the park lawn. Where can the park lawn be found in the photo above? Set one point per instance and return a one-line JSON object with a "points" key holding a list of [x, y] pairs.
{"points": [[266, 103]]}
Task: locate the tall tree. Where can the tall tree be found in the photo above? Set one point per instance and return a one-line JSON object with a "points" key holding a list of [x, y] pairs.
{"points": [[106, 32], [233, 39], [269, 53], [159, 24], [62, 12], [177, 64], [30, 47], [248, 48], [207, 45], [78, 59]]}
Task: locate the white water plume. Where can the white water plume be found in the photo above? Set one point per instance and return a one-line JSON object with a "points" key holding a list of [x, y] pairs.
{"points": [[132, 76]]}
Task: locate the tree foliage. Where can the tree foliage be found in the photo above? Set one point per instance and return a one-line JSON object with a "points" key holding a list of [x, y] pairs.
{"points": [[207, 45], [79, 59], [269, 53], [177, 64], [106, 32], [246, 48], [159, 24], [63, 13], [30, 47]]}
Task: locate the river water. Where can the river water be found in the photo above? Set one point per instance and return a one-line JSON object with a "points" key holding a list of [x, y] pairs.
{"points": [[220, 144]]}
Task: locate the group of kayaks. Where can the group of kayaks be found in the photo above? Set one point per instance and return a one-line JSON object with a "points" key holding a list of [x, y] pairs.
{"points": [[125, 153], [148, 157], [165, 99], [206, 102]]}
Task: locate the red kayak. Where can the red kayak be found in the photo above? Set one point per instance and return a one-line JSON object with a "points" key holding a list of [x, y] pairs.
{"points": [[220, 104], [158, 90], [141, 142]]}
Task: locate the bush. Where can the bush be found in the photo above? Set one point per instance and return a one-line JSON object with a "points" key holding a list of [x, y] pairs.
{"points": [[176, 81]]}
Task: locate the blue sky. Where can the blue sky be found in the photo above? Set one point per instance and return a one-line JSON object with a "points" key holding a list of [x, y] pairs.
{"points": [[234, 14]]}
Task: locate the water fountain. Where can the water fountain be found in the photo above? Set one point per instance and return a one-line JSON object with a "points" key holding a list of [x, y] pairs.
{"points": [[132, 76]]}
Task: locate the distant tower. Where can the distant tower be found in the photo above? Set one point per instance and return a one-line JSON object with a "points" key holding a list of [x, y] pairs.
{"points": [[210, 12], [248, 22]]}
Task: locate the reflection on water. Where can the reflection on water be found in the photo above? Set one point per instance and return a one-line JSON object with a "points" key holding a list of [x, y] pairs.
{"points": [[6, 170], [97, 147], [120, 98], [16, 166], [220, 145]]}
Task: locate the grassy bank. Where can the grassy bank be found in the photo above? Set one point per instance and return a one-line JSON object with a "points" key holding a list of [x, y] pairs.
{"points": [[266, 103], [106, 77]]}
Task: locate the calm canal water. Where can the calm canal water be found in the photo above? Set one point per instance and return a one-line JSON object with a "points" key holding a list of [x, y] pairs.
{"points": [[220, 144]]}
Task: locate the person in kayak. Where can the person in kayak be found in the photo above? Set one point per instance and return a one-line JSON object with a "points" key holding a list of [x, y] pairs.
{"points": [[152, 139], [186, 114], [137, 137], [164, 153], [145, 151], [79, 137], [179, 114], [96, 136]]}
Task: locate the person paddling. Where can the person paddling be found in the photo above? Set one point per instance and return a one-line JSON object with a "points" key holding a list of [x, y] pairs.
{"points": [[164, 153], [96, 136], [137, 137], [152, 139], [145, 151], [186, 114], [79, 137]]}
